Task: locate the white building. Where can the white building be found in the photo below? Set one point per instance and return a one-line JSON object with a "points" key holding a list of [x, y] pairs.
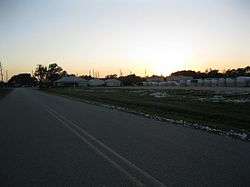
{"points": [[189, 83], [164, 83], [96, 82], [178, 78], [230, 82], [207, 82], [222, 82], [215, 82], [112, 83], [71, 81], [173, 83], [151, 83], [200, 82], [183, 82], [145, 83], [242, 81]]}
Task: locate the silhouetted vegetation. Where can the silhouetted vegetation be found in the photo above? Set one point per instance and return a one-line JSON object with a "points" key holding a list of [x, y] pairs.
{"points": [[47, 75], [87, 77], [238, 72], [214, 73], [131, 80], [113, 76], [54, 72], [40, 73], [23, 79]]}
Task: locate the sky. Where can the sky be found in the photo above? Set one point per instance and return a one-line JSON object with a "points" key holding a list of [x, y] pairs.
{"points": [[131, 36]]}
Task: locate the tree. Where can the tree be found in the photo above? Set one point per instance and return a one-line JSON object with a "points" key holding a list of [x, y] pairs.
{"points": [[54, 72], [87, 77], [214, 74], [184, 73], [247, 70], [64, 73], [130, 80], [113, 76], [40, 73], [23, 79]]}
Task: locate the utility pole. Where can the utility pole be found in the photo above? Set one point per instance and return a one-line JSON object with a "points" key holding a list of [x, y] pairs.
{"points": [[6, 75], [74, 82], [1, 71]]}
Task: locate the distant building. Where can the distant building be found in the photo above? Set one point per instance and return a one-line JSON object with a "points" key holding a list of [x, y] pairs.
{"points": [[242, 81], [145, 83], [112, 83], [200, 82], [230, 82], [178, 78], [150, 83], [183, 82], [71, 81], [207, 82], [194, 82], [173, 83], [96, 82], [215, 82], [165, 83], [222, 82]]}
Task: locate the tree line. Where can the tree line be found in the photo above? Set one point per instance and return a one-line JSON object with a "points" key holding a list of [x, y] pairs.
{"points": [[44, 76], [214, 73]]}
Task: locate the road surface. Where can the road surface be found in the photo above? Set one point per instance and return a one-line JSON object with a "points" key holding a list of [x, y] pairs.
{"points": [[48, 140]]}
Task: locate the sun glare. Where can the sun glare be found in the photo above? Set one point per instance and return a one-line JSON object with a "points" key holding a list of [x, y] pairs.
{"points": [[163, 60]]}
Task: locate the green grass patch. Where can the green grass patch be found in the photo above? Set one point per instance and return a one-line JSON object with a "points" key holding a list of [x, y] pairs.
{"points": [[226, 110]]}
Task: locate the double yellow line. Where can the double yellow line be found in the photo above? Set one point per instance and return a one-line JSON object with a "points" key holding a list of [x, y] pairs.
{"points": [[138, 176]]}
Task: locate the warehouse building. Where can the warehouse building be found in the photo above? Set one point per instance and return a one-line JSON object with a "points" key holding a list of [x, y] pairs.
{"points": [[96, 82], [207, 82], [112, 83], [243, 81], [71, 81], [230, 82], [200, 82], [222, 82], [215, 82]]}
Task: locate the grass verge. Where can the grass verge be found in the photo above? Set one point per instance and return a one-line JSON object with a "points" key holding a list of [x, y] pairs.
{"points": [[221, 110]]}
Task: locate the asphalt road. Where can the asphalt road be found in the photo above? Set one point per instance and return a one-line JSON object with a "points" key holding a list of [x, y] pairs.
{"points": [[49, 140]]}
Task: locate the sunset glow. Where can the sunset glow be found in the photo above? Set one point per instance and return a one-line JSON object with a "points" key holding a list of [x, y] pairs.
{"points": [[113, 36]]}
